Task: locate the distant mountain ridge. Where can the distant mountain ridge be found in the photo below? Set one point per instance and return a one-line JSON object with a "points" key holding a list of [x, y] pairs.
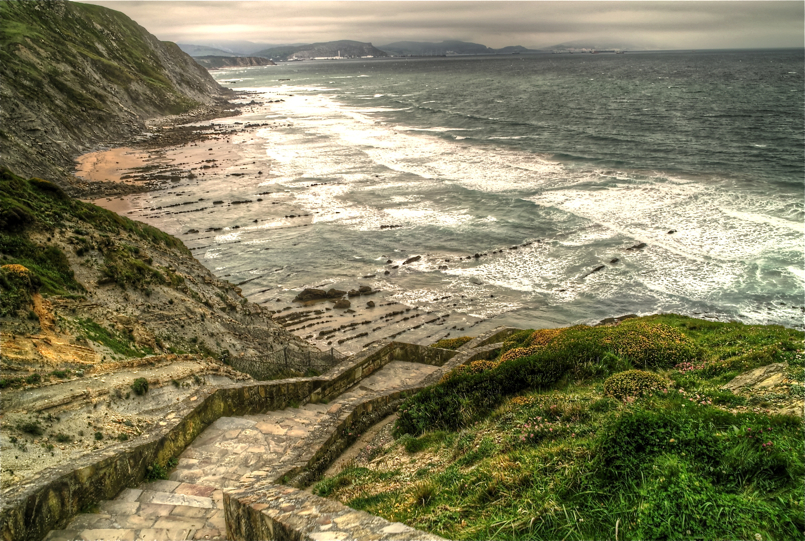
{"points": [[424, 48], [330, 49]]}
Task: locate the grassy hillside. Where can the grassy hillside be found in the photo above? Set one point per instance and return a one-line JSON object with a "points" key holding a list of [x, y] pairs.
{"points": [[599, 433], [80, 285], [73, 75]]}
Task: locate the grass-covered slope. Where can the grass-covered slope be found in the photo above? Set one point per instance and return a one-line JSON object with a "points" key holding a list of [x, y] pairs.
{"points": [[598, 433], [73, 75], [80, 285]]}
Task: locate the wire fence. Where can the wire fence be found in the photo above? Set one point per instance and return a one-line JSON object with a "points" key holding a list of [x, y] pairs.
{"points": [[288, 362]]}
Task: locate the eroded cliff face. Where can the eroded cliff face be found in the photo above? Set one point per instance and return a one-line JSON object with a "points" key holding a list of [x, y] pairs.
{"points": [[73, 76], [80, 286]]}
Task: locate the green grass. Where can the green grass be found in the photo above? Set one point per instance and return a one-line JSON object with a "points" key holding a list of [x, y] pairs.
{"points": [[562, 460], [121, 345]]}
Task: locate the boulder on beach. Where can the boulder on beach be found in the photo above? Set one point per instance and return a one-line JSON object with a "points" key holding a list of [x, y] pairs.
{"points": [[334, 293], [353, 293], [370, 304], [639, 246], [342, 303], [412, 259], [364, 290], [311, 294]]}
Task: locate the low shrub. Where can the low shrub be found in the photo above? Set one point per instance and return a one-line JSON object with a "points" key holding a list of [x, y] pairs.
{"points": [[99, 436], [63, 438], [31, 427], [140, 386], [17, 284], [651, 344], [633, 383]]}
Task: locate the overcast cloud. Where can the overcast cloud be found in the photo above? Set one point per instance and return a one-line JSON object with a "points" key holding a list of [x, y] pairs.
{"points": [[666, 25]]}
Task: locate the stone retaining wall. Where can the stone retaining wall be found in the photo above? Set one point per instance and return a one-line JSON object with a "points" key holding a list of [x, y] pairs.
{"points": [[53, 496], [267, 510], [282, 513]]}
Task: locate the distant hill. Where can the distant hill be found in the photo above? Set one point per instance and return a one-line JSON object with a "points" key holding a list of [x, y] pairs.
{"points": [[74, 75], [217, 62], [330, 49], [224, 48], [423, 48]]}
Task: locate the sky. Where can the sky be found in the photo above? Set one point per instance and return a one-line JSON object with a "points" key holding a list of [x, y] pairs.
{"points": [[535, 24]]}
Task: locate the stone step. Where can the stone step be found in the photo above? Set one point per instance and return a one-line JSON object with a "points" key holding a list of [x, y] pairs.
{"points": [[159, 510], [101, 534]]}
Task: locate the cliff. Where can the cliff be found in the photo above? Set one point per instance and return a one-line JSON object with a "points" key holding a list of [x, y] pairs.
{"points": [[80, 285], [76, 75], [217, 62]]}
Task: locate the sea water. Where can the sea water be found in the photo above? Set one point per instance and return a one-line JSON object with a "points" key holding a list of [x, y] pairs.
{"points": [[589, 185]]}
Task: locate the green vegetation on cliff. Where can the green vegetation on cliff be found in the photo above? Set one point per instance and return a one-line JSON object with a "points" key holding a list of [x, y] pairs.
{"points": [[597, 433], [72, 75], [32, 210]]}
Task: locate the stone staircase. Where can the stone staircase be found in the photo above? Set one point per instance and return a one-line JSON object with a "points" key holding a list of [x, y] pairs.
{"points": [[230, 453], [157, 511]]}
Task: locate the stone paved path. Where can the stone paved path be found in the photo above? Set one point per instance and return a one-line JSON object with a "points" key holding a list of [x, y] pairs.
{"points": [[228, 452]]}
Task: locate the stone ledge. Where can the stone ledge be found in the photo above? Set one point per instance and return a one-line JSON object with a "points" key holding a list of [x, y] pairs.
{"points": [[53, 496], [281, 513]]}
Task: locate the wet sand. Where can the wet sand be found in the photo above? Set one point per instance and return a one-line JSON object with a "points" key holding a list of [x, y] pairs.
{"points": [[110, 165]]}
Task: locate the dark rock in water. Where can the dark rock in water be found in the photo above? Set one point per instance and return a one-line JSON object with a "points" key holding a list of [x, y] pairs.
{"points": [[477, 256], [443, 267], [671, 232], [370, 276], [349, 311], [370, 304], [596, 269], [389, 261], [217, 202], [387, 272], [364, 290], [639, 246], [342, 303], [613, 261], [191, 231], [396, 266], [353, 293], [334, 293], [311, 295], [412, 259]]}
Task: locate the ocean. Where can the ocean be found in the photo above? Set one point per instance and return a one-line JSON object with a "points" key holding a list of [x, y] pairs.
{"points": [[539, 191]]}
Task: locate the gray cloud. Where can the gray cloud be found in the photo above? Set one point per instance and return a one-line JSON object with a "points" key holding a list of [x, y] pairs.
{"points": [[531, 24]]}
